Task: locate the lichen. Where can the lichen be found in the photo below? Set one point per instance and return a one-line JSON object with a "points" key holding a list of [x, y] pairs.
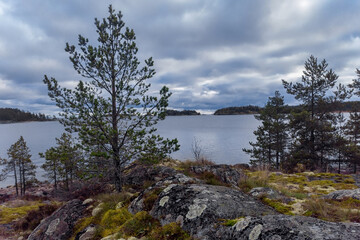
{"points": [[163, 201], [196, 209], [255, 232]]}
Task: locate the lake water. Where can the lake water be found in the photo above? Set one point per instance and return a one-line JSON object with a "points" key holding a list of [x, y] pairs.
{"points": [[221, 138]]}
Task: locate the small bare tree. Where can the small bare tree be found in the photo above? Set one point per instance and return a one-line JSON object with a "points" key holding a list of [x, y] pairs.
{"points": [[197, 149]]}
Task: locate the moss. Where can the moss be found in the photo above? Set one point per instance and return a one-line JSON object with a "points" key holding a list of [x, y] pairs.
{"points": [[278, 206], [150, 198], [9, 214], [171, 231], [113, 219], [139, 225], [230, 222], [81, 225]]}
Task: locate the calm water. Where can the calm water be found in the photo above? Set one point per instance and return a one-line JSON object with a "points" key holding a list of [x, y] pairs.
{"points": [[221, 138]]}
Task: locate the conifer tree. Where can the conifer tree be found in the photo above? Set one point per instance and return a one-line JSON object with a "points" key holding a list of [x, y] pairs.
{"points": [[271, 137], [111, 109], [62, 162], [313, 128], [19, 163]]}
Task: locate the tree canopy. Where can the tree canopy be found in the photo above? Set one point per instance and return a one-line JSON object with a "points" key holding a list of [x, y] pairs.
{"points": [[110, 110]]}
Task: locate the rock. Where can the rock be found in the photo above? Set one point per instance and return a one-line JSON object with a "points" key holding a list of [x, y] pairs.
{"points": [[136, 174], [269, 193], [244, 166], [87, 201], [285, 227], [87, 234], [197, 207], [225, 173], [97, 210], [61, 223], [342, 194], [137, 204]]}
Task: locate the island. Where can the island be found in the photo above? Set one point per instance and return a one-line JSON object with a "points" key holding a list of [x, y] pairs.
{"points": [[10, 115], [181, 113]]}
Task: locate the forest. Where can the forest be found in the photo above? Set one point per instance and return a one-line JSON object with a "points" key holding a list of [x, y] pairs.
{"points": [[315, 135], [17, 115]]}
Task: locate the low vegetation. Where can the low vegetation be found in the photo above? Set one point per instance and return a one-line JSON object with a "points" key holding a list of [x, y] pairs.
{"points": [[305, 191]]}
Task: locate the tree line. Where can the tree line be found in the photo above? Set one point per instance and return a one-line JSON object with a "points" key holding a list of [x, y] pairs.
{"points": [[17, 115], [313, 134]]}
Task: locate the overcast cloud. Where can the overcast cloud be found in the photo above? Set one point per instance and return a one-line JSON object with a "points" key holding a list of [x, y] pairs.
{"points": [[211, 54]]}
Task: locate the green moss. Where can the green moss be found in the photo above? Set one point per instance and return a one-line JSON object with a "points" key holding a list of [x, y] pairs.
{"points": [[81, 225], [9, 214], [278, 206], [139, 225], [230, 222], [150, 198], [171, 231], [113, 219]]}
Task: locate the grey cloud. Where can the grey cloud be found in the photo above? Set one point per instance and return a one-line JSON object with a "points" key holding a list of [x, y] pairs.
{"points": [[211, 54]]}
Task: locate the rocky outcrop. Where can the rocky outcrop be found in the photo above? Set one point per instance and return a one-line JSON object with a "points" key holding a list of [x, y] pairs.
{"points": [[285, 227], [60, 224], [342, 194], [138, 204], [136, 175], [198, 207], [225, 173]]}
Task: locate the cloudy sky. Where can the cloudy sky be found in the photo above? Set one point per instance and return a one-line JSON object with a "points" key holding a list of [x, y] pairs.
{"points": [[210, 53]]}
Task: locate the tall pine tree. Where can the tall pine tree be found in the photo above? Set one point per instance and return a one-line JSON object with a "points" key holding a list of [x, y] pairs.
{"points": [[271, 136]]}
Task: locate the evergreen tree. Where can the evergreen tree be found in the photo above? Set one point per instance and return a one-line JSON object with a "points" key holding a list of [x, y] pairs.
{"points": [[352, 133], [20, 164], [271, 136], [313, 128], [61, 162], [112, 110]]}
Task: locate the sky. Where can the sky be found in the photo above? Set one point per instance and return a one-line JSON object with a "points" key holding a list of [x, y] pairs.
{"points": [[210, 53]]}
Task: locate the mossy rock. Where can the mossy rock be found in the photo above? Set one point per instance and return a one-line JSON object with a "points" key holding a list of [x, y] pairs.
{"points": [[139, 225], [171, 231], [113, 219]]}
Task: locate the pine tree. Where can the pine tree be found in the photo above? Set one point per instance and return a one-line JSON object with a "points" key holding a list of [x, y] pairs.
{"points": [[313, 128], [271, 137], [62, 161], [20, 164], [111, 109]]}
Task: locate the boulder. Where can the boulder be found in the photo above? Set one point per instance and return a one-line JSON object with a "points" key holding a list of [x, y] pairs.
{"points": [[270, 193], [60, 224], [285, 227], [225, 173], [342, 194], [198, 207], [87, 234], [137, 204]]}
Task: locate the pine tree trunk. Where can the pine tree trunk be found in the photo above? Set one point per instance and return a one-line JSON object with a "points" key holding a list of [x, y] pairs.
{"points": [[16, 183]]}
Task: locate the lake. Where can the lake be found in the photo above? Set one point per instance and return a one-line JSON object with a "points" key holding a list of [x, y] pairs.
{"points": [[221, 138]]}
